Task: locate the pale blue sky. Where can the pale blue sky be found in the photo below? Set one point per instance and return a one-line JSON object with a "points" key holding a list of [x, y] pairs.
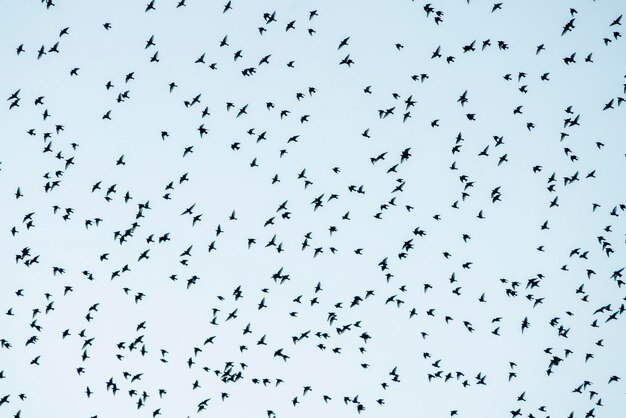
{"points": [[502, 246]]}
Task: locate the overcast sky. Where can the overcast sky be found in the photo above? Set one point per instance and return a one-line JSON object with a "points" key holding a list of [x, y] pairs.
{"points": [[465, 193]]}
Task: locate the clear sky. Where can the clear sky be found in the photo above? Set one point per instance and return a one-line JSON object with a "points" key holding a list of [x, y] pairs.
{"points": [[464, 194]]}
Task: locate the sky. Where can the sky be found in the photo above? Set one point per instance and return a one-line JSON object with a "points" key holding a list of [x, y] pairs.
{"points": [[446, 242]]}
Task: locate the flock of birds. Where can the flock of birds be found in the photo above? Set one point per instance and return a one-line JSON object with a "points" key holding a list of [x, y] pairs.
{"points": [[308, 275]]}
